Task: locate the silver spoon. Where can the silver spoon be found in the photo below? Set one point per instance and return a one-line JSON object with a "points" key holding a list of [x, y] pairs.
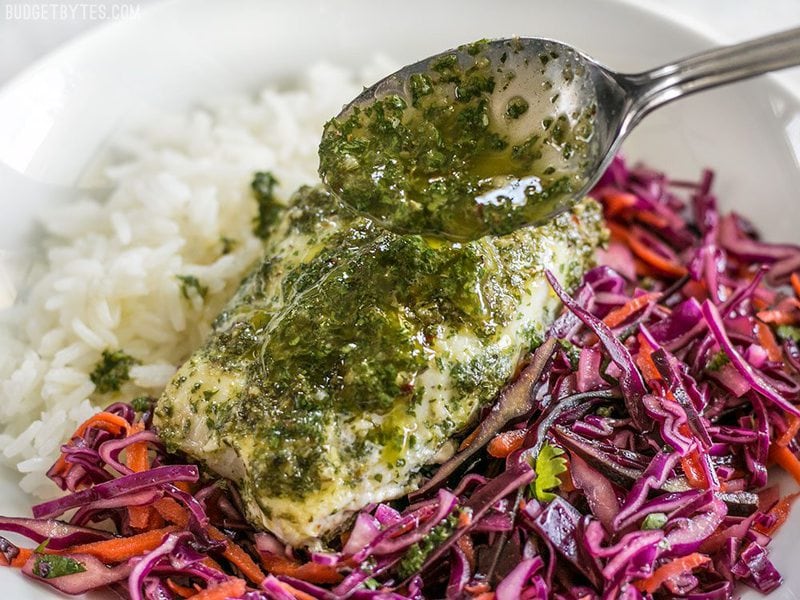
{"points": [[551, 81]]}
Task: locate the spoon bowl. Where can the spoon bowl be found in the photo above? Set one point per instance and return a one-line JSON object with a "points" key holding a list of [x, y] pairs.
{"points": [[550, 119]]}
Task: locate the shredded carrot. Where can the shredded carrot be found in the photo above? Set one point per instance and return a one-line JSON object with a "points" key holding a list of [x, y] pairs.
{"points": [[507, 442], [787, 461], [653, 259], [793, 426], [477, 588], [464, 519], [767, 341], [277, 564], [781, 513], [674, 568], [136, 460], [238, 557], [485, 596], [102, 420], [696, 290], [465, 545], [122, 548], [212, 564], [172, 511], [644, 360], [469, 439], [619, 315], [19, 560], [180, 590], [616, 202], [777, 316], [795, 279], [295, 592], [695, 475], [652, 219], [233, 588]]}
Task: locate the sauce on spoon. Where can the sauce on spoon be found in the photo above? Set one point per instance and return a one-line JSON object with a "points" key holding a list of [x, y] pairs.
{"points": [[475, 143]]}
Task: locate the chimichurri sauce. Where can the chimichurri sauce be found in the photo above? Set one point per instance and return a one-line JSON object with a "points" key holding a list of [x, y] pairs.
{"points": [[460, 151]]}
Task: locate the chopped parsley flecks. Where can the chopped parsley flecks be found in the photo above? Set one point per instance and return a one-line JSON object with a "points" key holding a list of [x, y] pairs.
{"points": [[112, 371]]}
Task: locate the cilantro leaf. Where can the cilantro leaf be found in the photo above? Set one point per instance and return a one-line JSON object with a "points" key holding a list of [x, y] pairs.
{"points": [[550, 463], [50, 566]]}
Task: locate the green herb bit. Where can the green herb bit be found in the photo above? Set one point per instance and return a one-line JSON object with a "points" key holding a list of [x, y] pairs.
{"points": [[142, 403], [371, 583], [516, 107], [50, 566], [417, 554], [189, 283], [717, 361], [269, 210], [550, 463], [788, 332], [655, 520], [112, 371]]}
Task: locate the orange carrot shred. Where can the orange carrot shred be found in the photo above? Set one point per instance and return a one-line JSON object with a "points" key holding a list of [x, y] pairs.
{"points": [[695, 475], [617, 202], [238, 557], [645, 254], [787, 461], [19, 560], [781, 513], [674, 568], [767, 341], [795, 279], [777, 316], [507, 442], [233, 588], [137, 461], [652, 219], [295, 592], [645, 362], [619, 315], [102, 420], [469, 439], [172, 511], [793, 427], [277, 564], [122, 548]]}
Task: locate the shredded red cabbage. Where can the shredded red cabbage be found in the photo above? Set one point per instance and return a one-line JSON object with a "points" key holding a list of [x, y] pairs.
{"points": [[630, 459]]}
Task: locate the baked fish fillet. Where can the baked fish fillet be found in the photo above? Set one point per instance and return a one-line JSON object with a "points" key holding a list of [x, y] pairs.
{"points": [[351, 356]]}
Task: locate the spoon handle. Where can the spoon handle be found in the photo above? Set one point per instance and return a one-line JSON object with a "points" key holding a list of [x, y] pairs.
{"points": [[651, 89]]}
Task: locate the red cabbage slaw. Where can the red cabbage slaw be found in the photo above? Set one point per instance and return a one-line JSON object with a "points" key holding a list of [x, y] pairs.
{"points": [[628, 460]]}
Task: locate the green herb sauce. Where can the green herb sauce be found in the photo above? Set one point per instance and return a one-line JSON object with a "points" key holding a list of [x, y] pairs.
{"points": [[440, 159], [348, 325]]}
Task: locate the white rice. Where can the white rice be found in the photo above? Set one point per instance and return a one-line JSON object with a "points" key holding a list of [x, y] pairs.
{"points": [[178, 185]]}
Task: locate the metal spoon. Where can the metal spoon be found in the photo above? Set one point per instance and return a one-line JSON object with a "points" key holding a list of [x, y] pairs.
{"points": [[555, 81]]}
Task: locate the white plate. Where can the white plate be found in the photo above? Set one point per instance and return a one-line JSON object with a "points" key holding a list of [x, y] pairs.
{"points": [[56, 115]]}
